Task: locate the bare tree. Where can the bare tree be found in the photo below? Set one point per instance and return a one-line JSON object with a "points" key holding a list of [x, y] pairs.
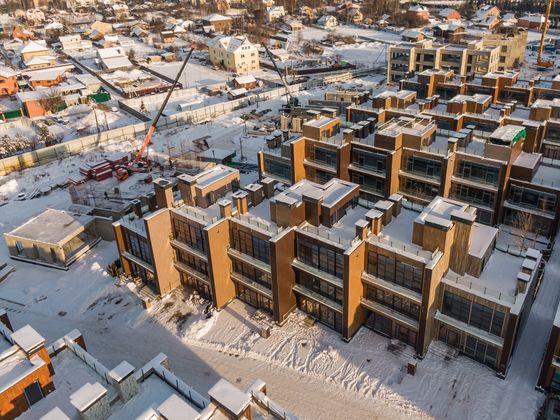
{"points": [[527, 226], [52, 101]]}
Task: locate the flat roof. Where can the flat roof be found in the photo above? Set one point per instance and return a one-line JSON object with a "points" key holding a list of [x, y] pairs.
{"points": [[52, 227], [331, 192], [229, 396]]}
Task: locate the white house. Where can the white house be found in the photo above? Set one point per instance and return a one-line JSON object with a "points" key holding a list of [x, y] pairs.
{"points": [[328, 21], [113, 58], [275, 13], [74, 43]]}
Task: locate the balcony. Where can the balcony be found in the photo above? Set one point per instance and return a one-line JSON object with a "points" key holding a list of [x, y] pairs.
{"points": [[475, 183], [188, 249], [135, 260], [191, 272], [329, 278], [389, 313], [368, 170], [420, 176], [255, 263], [253, 285], [408, 294], [320, 165], [298, 288], [475, 332]]}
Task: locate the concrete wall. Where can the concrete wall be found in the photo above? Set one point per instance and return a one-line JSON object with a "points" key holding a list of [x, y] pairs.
{"points": [[219, 264]]}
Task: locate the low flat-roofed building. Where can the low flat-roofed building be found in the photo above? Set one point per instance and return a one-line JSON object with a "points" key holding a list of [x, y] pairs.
{"points": [[63, 381], [25, 369], [54, 238]]}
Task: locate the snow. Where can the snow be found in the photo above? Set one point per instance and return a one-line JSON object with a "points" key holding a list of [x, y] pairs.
{"points": [[84, 397], [229, 397], [27, 338]]}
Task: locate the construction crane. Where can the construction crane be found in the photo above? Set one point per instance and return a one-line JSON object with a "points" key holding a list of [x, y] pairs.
{"points": [[291, 101], [544, 64], [161, 108]]}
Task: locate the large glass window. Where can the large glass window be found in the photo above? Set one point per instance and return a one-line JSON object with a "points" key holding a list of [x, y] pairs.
{"points": [[417, 188], [370, 160], [392, 301], [252, 273], [422, 166], [319, 256], [533, 199], [253, 298], [372, 182], [190, 234], [280, 169], [395, 271], [320, 286], [137, 245], [477, 172], [193, 262], [248, 244], [482, 317], [469, 345], [473, 195], [322, 155], [322, 313]]}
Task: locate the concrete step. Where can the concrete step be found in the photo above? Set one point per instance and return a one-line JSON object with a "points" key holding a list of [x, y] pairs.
{"points": [[6, 270]]}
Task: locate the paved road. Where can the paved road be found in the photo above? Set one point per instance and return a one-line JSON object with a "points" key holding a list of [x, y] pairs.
{"points": [[525, 365]]}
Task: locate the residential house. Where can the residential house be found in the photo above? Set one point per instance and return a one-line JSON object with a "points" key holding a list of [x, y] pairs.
{"points": [[33, 49], [328, 21], [236, 54], [54, 238], [74, 43], [448, 14], [219, 23], [275, 13], [113, 58], [532, 21], [8, 81], [417, 14]]}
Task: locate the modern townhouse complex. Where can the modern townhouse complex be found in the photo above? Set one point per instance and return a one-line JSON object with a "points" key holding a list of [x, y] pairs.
{"points": [[415, 276], [486, 161], [474, 57], [452, 49]]}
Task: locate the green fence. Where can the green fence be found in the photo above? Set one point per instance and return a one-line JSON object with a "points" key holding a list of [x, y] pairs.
{"points": [[10, 115], [100, 97]]}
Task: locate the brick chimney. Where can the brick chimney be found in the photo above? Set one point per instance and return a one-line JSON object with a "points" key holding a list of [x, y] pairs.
{"points": [[362, 229], [374, 217], [164, 193], [268, 186], [396, 199], [186, 189], [225, 208], [241, 200]]}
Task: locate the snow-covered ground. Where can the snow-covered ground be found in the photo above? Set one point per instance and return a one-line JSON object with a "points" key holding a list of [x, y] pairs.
{"points": [[194, 75]]}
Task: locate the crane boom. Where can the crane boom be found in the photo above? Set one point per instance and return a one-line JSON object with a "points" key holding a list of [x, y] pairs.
{"points": [[540, 61], [162, 107], [282, 78]]}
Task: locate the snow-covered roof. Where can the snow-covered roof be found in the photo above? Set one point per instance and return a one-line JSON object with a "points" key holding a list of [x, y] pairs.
{"points": [[230, 43], [88, 394], [230, 397], [52, 226], [536, 18], [34, 46], [242, 80], [47, 74], [27, 338], [215, 17], [417, 8], [7, 72], [446, 12], [39, 60]]}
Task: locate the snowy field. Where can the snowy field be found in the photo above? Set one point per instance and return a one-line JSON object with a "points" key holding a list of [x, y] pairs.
{"points": [[194, 75]]}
